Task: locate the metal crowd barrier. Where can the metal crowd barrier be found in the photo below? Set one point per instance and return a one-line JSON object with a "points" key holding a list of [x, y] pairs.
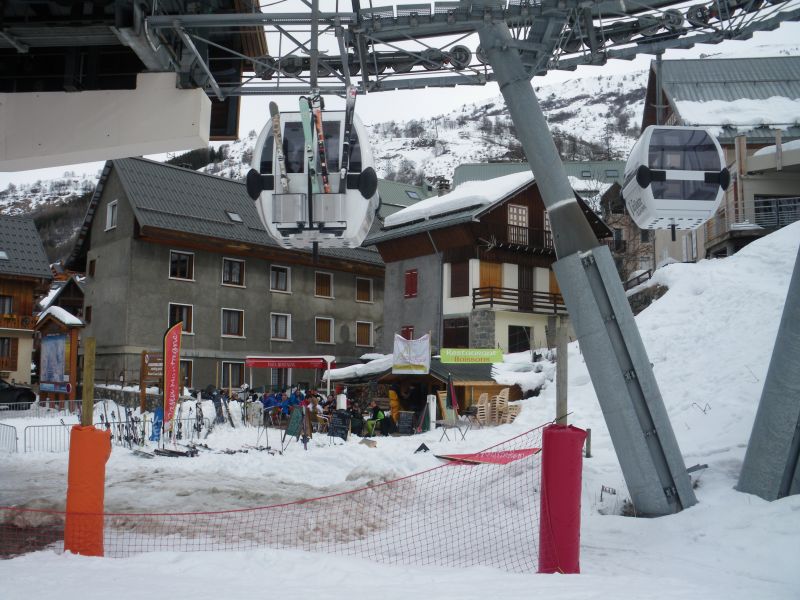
{"points": [[8, 438], [55, 438]]}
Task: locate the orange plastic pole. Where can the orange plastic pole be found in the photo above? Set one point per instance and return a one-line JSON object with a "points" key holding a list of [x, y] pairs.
{"points": [[89, 451]]}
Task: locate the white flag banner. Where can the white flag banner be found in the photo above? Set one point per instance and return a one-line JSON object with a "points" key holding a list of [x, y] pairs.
{"points": [[412, 356]]}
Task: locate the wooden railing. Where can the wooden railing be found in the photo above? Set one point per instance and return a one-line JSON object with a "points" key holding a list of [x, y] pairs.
{"points": [[514, 235], [521, 300], [17, 322]]}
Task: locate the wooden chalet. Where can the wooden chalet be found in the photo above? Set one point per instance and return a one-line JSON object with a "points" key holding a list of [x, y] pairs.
{"points": [[478, 276]]}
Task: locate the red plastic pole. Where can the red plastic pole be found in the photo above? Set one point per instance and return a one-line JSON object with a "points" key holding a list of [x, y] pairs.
{"points": [[89, 449], [560, 513]]}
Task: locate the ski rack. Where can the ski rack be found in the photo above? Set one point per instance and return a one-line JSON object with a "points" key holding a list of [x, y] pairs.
{"points": [[412, 46]]}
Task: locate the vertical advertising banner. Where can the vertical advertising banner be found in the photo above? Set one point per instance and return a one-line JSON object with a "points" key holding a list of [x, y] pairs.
{"points": [[172, 370]]}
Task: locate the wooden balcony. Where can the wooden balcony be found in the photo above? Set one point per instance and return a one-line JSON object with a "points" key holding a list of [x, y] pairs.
{"points": [[514, 236], [17, 322], [519, 300]]}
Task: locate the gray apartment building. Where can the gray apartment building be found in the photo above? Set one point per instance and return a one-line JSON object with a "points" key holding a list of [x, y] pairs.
{"points": [[162, 244]]}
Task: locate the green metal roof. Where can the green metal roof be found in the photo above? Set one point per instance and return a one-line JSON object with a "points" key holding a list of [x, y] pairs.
{"points": [[396, 195], [703, 80], [176, 199], [21, 249]]}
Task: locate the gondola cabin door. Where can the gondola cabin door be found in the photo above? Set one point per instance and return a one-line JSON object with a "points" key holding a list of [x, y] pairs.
{"points": [[296, 205]]}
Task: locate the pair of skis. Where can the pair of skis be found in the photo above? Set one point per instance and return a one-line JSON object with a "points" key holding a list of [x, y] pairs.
{"points": [[311, 117]]}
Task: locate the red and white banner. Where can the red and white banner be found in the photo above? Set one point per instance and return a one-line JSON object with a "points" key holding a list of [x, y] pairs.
{"points": [[172, 370]]}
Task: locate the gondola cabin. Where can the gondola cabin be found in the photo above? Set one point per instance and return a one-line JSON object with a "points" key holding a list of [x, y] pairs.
{"points": [[674, 178], [296, 210]]}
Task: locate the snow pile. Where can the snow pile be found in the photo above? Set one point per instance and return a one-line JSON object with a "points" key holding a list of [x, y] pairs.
{"points": [[467, 195]]}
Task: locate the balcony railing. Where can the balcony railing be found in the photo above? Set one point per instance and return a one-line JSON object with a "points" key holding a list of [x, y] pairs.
{"points": [[520, 300], [515, 235], [17, 322]]}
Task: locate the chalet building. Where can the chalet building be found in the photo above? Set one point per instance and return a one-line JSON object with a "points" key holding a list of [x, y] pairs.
{"points": [[162, 244], [598, 183], [24, 275], [749, 103], [473, 267]]}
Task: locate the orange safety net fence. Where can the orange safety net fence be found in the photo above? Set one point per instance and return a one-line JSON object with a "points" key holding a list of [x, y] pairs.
{"points": [[456, 514]]}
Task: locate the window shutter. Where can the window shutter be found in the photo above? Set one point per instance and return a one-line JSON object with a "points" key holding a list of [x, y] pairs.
{"points": [[411, 284], [14, 353], [459, 279]]}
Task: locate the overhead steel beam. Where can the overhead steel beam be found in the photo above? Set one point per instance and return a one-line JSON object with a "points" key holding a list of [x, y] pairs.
{"points": [[201, 60]]}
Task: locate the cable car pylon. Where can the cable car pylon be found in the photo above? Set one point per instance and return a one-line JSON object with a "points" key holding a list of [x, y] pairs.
{"points": [[623, 379]]}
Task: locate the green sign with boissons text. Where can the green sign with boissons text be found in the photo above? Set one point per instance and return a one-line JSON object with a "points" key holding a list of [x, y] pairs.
{"points": [[471, 355]]}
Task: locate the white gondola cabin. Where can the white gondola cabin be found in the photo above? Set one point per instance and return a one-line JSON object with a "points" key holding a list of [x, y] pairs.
{"points": [[675, 177], [298, 216]]}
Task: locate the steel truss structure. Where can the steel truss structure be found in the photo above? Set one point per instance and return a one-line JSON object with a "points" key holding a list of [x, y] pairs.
{"points": [[414, 46]]}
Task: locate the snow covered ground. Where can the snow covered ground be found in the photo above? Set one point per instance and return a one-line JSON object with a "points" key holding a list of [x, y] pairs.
{"points": [[709, 339]]}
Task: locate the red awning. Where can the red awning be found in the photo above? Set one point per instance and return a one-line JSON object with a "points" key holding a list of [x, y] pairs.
{"points": [[287, 362]]}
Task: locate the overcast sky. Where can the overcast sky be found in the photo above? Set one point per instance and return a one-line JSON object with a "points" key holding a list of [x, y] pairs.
{"points": [[404, 105]]}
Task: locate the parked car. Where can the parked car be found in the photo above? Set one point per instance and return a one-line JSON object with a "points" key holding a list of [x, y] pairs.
{"points": [[13, 394]]}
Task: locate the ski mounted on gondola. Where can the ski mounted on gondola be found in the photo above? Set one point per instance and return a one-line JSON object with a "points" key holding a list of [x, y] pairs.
{"points": [[313, 179], [280, 158]]}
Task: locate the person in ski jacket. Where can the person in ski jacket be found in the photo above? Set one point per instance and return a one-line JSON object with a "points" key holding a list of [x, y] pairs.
{"points": [[376, 416]]}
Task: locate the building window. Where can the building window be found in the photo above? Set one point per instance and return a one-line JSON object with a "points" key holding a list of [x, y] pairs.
{"points": [[232, 322], [612, 173], [186, 373], [324, 330], [519, 338], [407, 331], [181, 312], [280, 279], [280, 327], [279, 378], [363, 333], [181, 265], [235, 217], [6, 305], [410, 284], [87, 314], [586, 174], [459, 279], [412, 194], [92, 264], [518, 224], [363, 290], [323, 285], [111, 215], [645, 236], [232, 374], [232, 272], [455, 333], [5, 347]]}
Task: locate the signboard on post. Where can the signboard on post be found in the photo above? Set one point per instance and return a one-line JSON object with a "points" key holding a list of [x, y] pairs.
{"points": [[471, 355], [151, 370], [172, 370]]}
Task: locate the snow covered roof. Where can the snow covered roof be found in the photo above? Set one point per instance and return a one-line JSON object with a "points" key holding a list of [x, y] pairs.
{"points": [[732, 96], [469, 195], [62, 315]]}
